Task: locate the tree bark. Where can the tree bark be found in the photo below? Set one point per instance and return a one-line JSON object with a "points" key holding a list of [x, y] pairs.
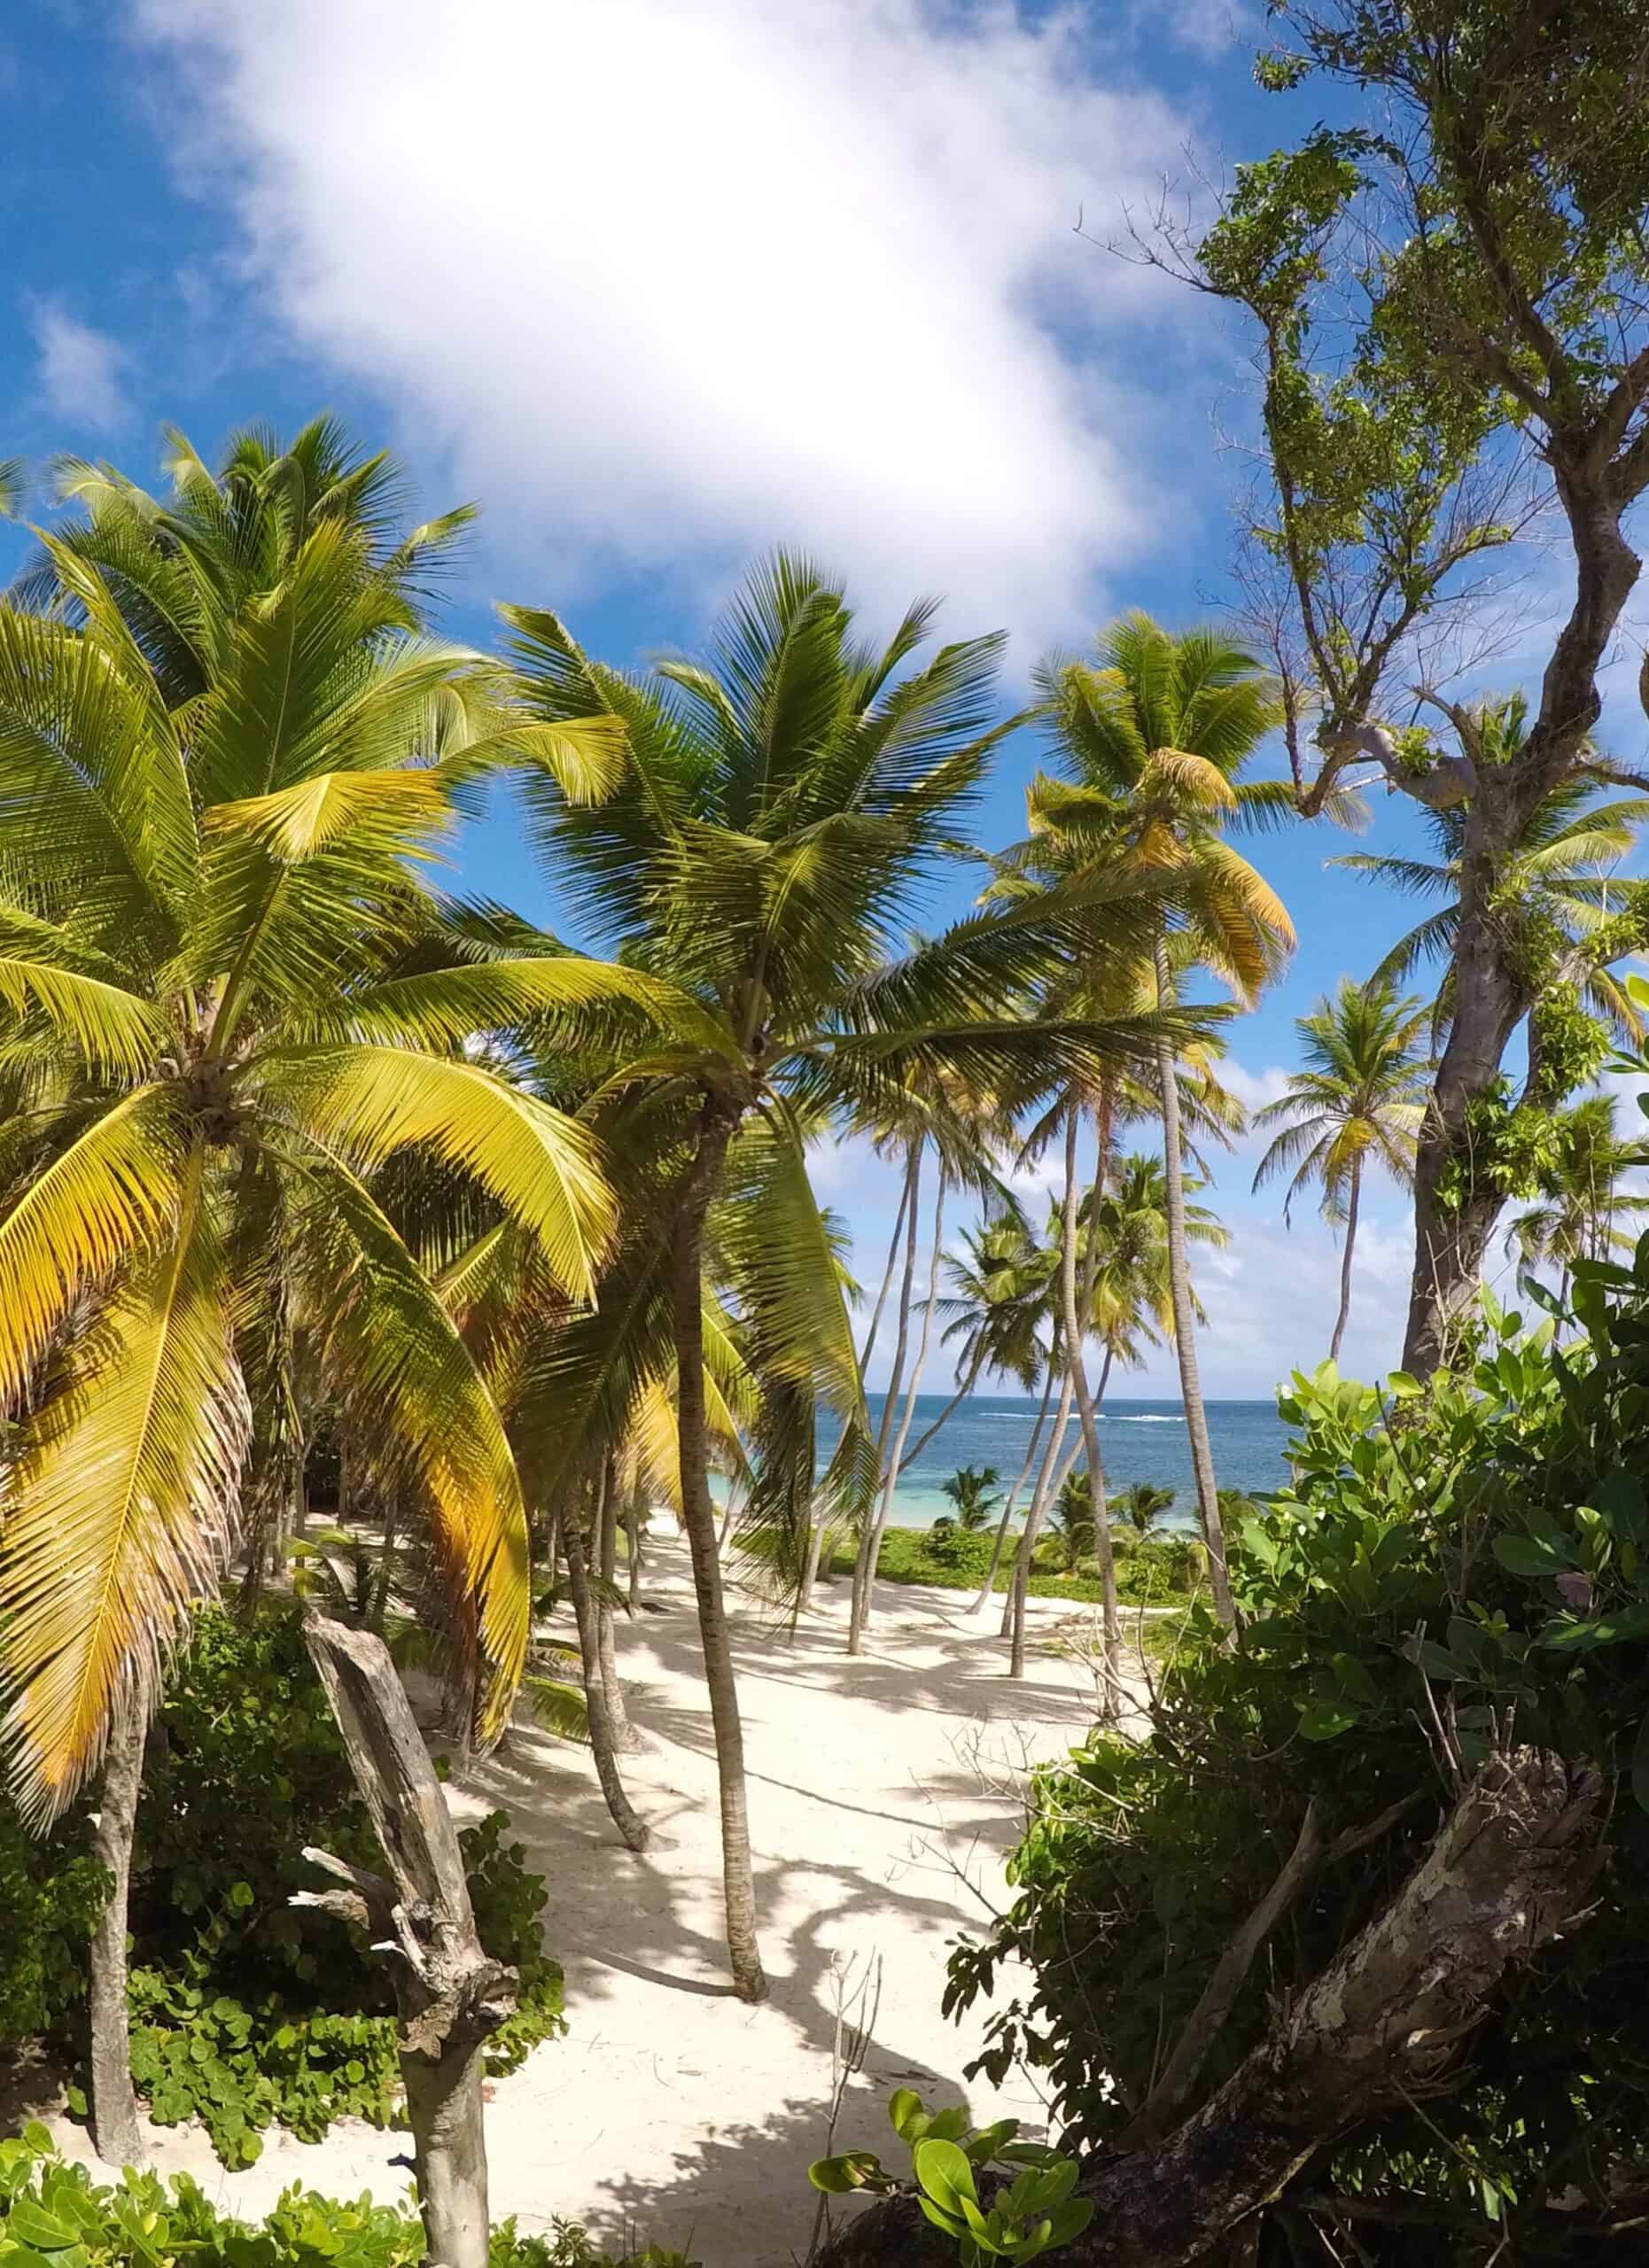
{"points": [[1512, 1867], [1345, 1260], [632, 1531], [1014, 1495], [1014, 1619], [951, 1407], [625, 1736], [717, 1122], [862, 1562], [450, 1996], [114, 2130], [1184, 1314], [896, 1460], [604, 1743], [868, 1348], [1078, 1363]]}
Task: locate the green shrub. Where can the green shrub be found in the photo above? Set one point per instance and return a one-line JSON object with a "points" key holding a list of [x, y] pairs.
{"points": [[1480, 1548], [244, 2011], [51, 1892], [55, 2216]]}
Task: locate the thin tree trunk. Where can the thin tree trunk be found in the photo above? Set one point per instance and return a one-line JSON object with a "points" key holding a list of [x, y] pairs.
{"points": [[632, 1531], [624, 1736], [898, 1458], [950, 1407], [1020, 1602], [815, 1552], [716, 1125], [1014, 1495], [1345, 1261], [604, 1741], [868, 1348], [863, 1562], [1013, 1617], [114, 2131], [1184, 1316], [450, 1996], [1077, 1360]]}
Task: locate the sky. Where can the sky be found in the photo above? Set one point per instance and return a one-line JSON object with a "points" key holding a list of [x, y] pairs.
{"points": [[662, 283]]}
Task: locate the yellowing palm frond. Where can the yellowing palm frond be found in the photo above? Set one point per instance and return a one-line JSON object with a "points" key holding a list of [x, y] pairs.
{"points": [[397, 808], [443, 1007], [118, 1513], [365, 1102], [110, 1195], [1189, 779], [112, 1029]]}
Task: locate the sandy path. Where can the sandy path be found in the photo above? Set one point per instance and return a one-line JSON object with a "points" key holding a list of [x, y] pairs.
{"points": [[883, 1805]]}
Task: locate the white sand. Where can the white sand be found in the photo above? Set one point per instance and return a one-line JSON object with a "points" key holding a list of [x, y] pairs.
{"points": [[884, 1799]]}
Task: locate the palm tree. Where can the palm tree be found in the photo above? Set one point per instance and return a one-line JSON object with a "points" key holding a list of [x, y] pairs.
{"points": [[1153, 738], [1142, 1504], [1583, 1197], [1073, 1531], [1360, 1096], [974, 1492], [217, 1035], [785, 798]]}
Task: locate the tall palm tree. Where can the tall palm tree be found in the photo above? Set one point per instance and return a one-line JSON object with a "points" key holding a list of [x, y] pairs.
{"points": [[216, 1035], [1585, 1207], [1153, 738], [1360, 1096], [785, 798], [974, 1492]]}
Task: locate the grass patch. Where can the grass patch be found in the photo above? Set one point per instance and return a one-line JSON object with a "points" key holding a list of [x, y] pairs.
{"points": [[1152, 1572]]}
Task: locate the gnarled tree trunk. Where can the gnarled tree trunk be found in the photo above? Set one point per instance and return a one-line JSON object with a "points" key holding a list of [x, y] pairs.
{"points": [[451, 1997], [1511, 1866]]}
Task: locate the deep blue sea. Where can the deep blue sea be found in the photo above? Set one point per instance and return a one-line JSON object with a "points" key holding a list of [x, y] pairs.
{"points": [[1142, 1440]]}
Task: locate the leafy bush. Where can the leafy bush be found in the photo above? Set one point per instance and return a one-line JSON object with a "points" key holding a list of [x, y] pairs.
{"points": [[245, 2012], [1467, 1555], [55, 2216], [51, 1892]]}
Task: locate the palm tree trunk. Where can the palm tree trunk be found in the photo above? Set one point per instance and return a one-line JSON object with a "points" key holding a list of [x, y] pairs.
{"points": [[1058, 1475], [865, 1351], [632, 1531], [1014, 1495], [898, 1458], [717, 1121], [624, 1736], [952, 1406], [1013, 1613], [603, 1744], [896, 1380], [114, 2131], [1345, 1261], [1185, 1317], [1076, 1362]]}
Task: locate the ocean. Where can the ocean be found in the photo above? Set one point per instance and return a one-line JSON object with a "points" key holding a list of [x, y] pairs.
{"points": [[1140, 1440]]}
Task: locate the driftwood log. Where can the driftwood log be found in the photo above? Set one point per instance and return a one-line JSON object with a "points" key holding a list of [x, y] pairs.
{"points": [[1512, 1868], [451, 1997]]}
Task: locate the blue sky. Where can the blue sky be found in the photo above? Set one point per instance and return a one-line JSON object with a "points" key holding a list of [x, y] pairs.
{"points": [[661, 282]]}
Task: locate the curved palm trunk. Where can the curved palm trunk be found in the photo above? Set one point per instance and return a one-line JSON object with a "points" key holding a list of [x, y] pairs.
{"points": [[950, 1407], [717, 1121], [624, 1736], [603, 1745], [1060, 1474], [1076, 1362], [1345, 1260], [114, 2130], [1013, 1613], [896, 1462], [632, 1531], [865, 1351], [1185, 1317], [1014, 1495], [863, 1563]]}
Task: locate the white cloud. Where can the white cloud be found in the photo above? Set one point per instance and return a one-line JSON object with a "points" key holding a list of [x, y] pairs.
{"points": [[80, 370], [671, 279], [1254, 1089]]}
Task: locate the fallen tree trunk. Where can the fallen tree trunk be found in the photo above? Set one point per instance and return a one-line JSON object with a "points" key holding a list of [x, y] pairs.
{"points": [[450, 1996], [1513, 1865]]}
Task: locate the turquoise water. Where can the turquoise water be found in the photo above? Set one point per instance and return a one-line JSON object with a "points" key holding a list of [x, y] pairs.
{"points": [[1140, 1440]]}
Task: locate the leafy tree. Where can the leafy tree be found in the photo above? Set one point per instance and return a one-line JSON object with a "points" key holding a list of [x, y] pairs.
{"points": [[974, 1492], [1360, 1097], [1586, 1207], [784, 800], [1142, 1504], [209, 901], [1452, 299], [1155, 736], [1072, 1532]]}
